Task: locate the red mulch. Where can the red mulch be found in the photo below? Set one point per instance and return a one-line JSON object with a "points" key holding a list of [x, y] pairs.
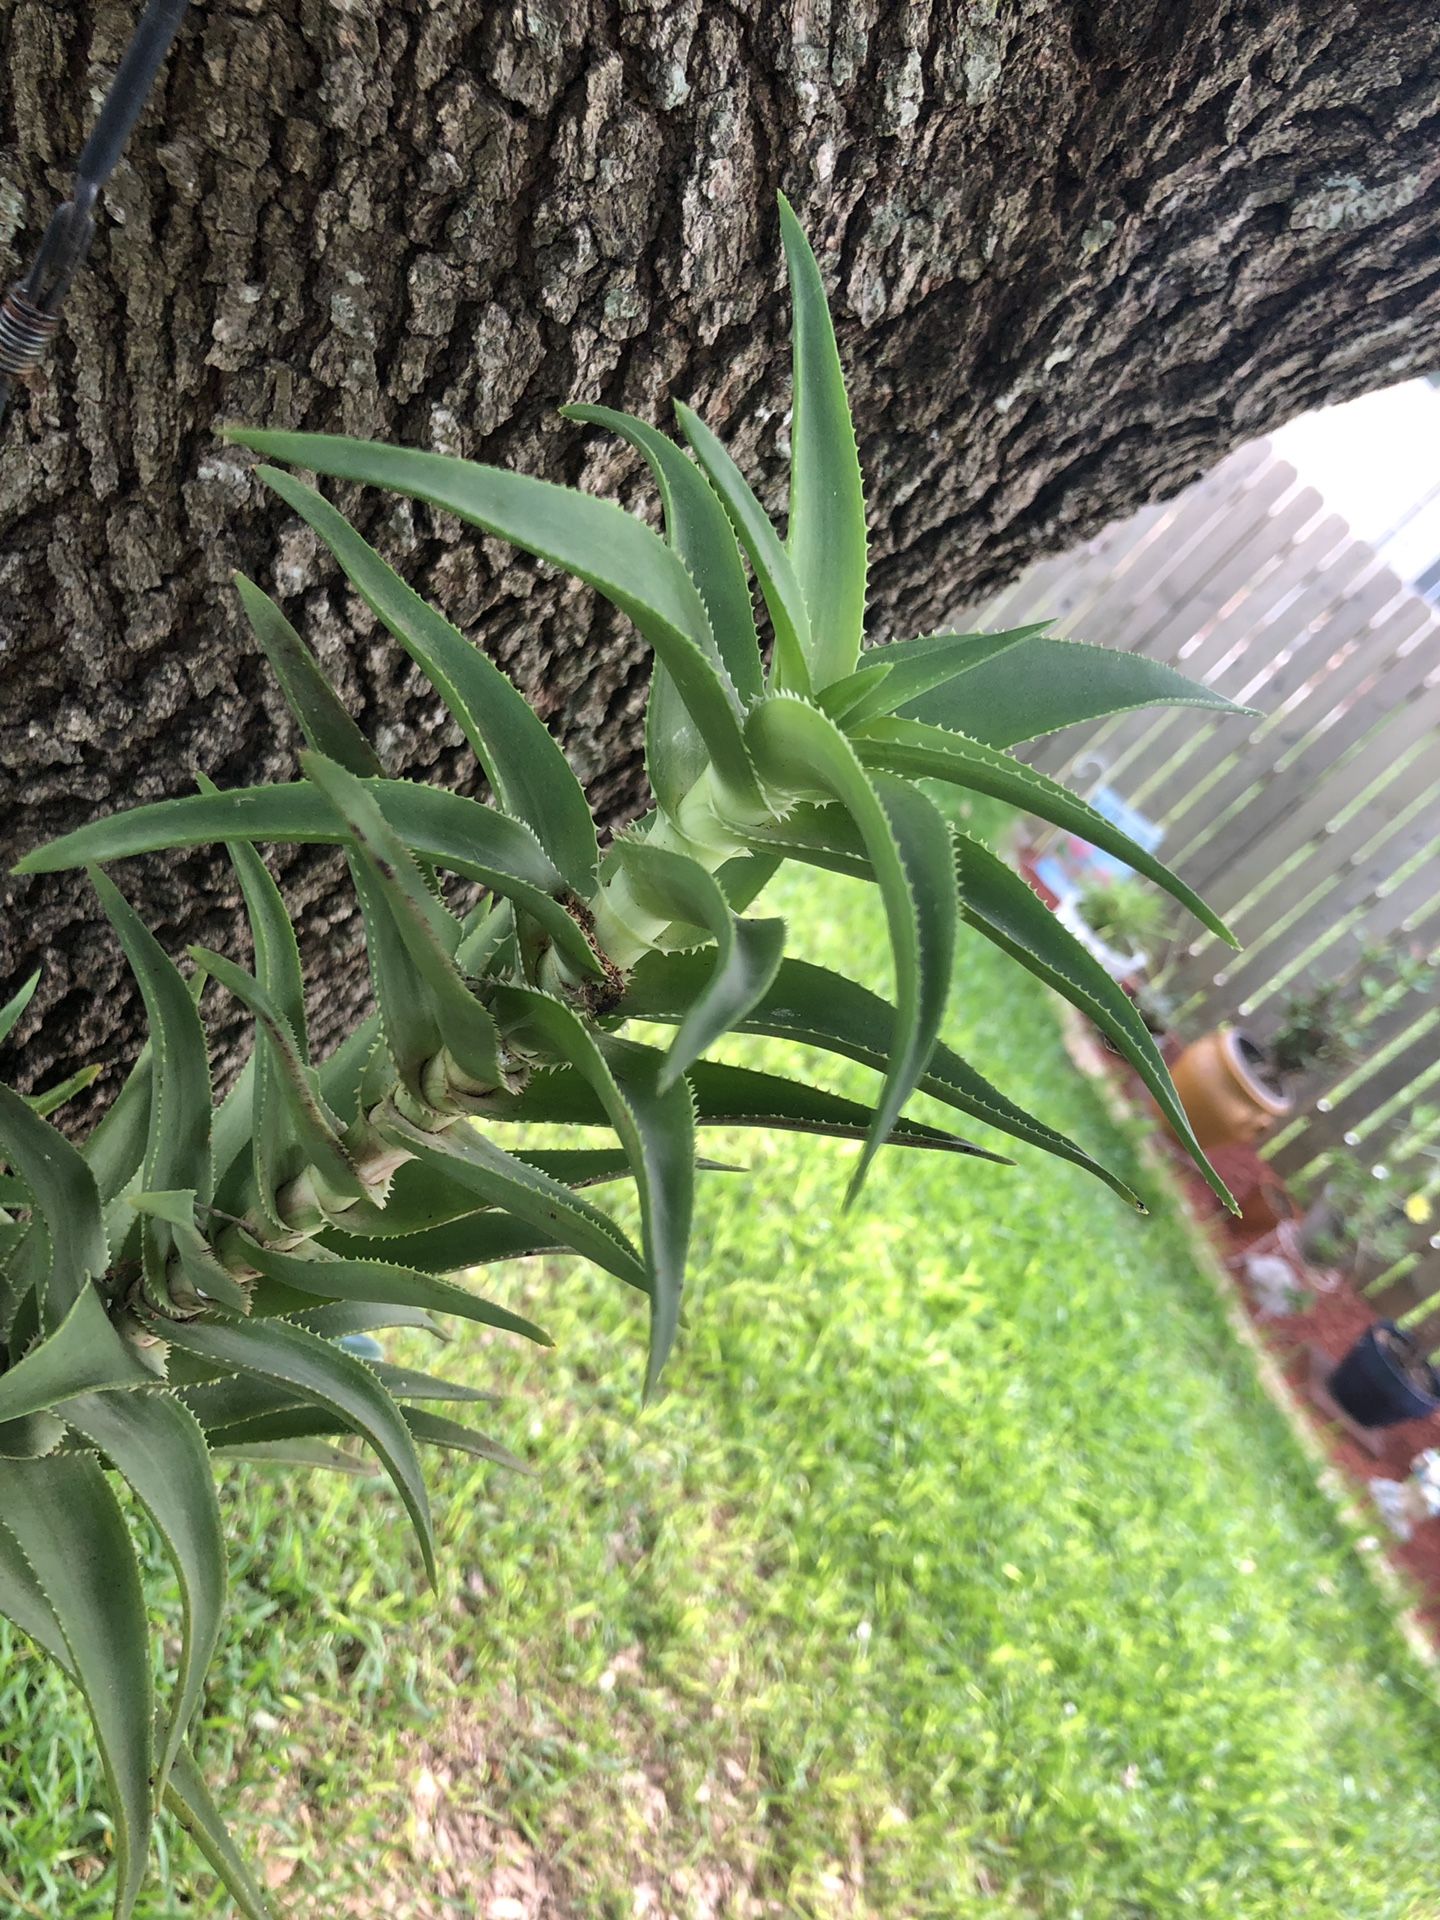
{"points": [[1332, 1322]]}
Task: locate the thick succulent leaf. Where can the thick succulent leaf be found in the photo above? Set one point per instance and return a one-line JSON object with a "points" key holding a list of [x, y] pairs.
{"points": [[434, 1430], [295, 1103], [908, 846], [276, 1434], [23, 1603], [923, 752], [188, 1798], [407, 1018], [156, 1445], [525, 766], [53, 1098], [114, 1150], [894, 675], [324, 721], [816, 836], [330, 1376], [781, 590], [237, 1398], [342, 1078], [66, 1523], [379, 1280], [177, 1153], [747, 952], [298, 1453], [743, 879], [404, 1383], [818, 1008], [207, 1279], [82, 1354], [697, 527], [656, 1127], [826, 534], [335, 1319], [594, 539], [67, 1201], [447, 829], [16, 1005], [230, 1137], [728, 1096], [430, 934], [1044, 684], [423, 1196], [500, 1179], [275, 1146], [998, 903], [699, 530], [470, 1240]]}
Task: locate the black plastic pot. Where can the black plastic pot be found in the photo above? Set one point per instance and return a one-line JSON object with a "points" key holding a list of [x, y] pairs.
{"points": [[1371, 1385]]}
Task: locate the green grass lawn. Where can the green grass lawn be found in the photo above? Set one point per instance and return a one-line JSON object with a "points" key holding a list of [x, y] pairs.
{"points": [[963, 1571]]}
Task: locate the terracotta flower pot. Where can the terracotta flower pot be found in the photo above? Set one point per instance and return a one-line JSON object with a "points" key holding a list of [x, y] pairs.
{"points": [[1221, 1081]]}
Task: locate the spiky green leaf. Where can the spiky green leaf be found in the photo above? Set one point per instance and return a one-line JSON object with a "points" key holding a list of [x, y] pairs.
{"points": [[380, 1280], [531, 776], [595, 540], [998, 903], [775, 572], [728, 1096], [892, 676], [747, 955], [826, 534], [334, 1379], [188, 1798], [1045, 683], [157, 1446], [655, 1126], [323, 719], [16, 1005], [53, 1098], [178, 1150], [282, 1054], [445, 828], [501, 1179], [67, 1208], [922, 752], [699, 530], [429, 933], [295, 1105], [819, 1008], [66, 1523], [908, 846], [84, 1352]]}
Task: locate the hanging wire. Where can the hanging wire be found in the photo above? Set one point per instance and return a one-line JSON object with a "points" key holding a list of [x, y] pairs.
{"points": [[30, 309]]}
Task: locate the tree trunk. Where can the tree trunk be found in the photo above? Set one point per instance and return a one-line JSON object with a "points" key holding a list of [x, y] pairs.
{"points": [[1077, 252]]}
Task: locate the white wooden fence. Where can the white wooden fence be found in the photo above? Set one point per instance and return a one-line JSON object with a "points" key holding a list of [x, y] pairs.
{"points": [[1315, 828]]}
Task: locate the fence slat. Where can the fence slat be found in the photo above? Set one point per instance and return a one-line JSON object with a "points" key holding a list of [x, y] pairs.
{"points": [[1327, 667]]}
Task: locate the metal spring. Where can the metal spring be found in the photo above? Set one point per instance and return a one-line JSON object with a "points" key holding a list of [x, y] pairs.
{"points": [[25, 333]]}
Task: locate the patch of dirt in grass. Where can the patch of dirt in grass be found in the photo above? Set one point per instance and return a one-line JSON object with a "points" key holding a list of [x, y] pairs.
{"points": [[625, 1834]]}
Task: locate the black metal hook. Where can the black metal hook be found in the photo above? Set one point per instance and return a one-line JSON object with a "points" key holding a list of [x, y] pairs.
{"points": [[30, 310]]}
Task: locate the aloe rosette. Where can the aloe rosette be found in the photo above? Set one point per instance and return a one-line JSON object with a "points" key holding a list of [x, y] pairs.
{"points": [[176, 1287]]}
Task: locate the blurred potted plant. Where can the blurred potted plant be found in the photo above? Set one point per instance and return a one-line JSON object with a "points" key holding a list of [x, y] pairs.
{"points": [[1121, 921], [1234, 1087], [1358, 1219]]}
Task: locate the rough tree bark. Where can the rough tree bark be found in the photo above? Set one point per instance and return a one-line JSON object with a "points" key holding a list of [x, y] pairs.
{"points": [[1079, 248]]}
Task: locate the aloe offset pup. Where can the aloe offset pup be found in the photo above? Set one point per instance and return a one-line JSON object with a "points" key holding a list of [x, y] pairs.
{"points": [[175, 1287]]}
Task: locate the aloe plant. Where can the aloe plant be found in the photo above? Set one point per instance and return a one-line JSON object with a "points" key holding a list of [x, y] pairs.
{"points": [[176, 1288]]}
